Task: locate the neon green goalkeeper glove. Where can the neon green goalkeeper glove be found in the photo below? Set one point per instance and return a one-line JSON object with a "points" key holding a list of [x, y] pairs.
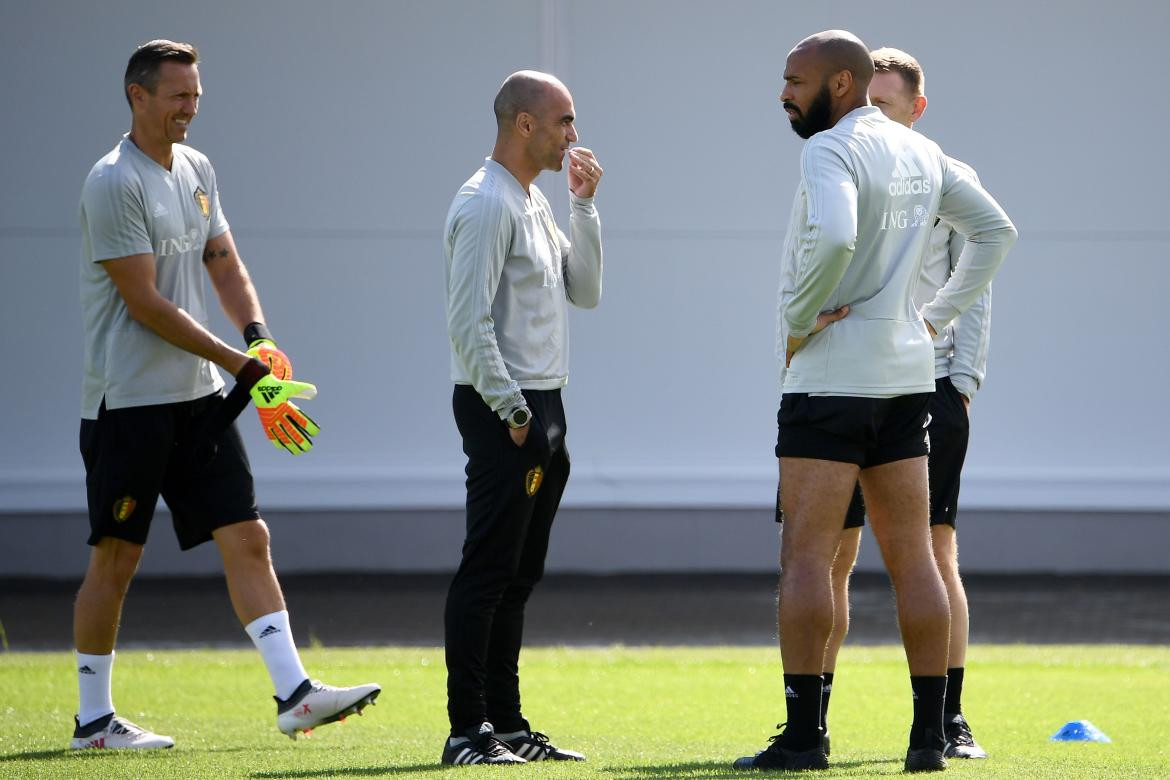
{"points": [[286, 426]]}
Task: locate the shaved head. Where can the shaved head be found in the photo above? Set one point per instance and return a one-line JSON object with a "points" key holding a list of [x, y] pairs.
{"points": [[838, 50], [524, 91]]}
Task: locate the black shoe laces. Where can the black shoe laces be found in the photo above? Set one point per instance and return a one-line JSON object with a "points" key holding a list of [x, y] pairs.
{"points": [[775, 737], [490, 746], [960, 734], [119, 726]]}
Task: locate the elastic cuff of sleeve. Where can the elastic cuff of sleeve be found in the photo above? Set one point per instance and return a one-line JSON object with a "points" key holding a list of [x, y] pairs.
{"points": [[965, 384], [939, 317], [513, 401], [252, 372], [797, 333], [582, 205], [256, 331]]}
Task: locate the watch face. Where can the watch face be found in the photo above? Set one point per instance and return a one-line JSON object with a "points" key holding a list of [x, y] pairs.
{"points": [[520, 418]]}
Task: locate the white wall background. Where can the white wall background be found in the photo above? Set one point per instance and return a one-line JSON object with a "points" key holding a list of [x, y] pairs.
{"points": [[341, 130]]}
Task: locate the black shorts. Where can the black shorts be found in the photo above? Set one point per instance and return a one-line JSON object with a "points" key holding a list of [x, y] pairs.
{"points": [[134, 455], [865, 431], [949, 432]]}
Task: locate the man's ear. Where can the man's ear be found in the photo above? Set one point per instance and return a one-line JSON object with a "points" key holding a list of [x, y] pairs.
{"points": [[525, 123], [919, 108], [840, 83]]}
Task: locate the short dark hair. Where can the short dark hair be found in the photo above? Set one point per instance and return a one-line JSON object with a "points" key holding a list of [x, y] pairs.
{"points": [[890, 60], [524, 91], [146, 60]]}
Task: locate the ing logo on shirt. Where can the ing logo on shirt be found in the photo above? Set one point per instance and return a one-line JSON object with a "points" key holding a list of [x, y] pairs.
{"points": [[177, 246]]}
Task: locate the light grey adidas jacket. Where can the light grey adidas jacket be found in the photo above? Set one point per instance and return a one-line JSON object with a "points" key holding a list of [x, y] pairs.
{"points": [[960, 349], [870, 192], [511, 274]]}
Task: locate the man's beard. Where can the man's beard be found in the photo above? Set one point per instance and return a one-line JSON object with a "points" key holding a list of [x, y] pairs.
{"points": [[817, 118]]}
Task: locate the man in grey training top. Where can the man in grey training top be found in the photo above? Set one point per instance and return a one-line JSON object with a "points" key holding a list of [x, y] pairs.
{"points": [[960, 362], [511, 274], [153, 419], [860, 371]]}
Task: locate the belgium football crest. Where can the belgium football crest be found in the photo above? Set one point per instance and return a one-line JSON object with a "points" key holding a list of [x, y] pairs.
{"points": [[532, 480], [123, 508], [203, 202]]}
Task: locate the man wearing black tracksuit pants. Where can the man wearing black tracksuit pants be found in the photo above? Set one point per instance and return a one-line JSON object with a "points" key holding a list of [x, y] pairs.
{"points": [[511, 274]]}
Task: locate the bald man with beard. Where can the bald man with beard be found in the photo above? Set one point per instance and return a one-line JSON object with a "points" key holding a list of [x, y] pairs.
{"points": [[858, 373]]}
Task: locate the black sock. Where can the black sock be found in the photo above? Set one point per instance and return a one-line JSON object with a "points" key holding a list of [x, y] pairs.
{"points": [[954, 702], [802, 697], [929, 693], [826, 689]]}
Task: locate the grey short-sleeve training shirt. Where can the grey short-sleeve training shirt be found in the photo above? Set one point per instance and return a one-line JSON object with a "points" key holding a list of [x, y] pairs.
{"points": [[131, 205]]}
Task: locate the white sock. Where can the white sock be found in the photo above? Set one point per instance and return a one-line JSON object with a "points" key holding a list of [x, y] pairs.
{"points": [[274, 639], [93, 680]]}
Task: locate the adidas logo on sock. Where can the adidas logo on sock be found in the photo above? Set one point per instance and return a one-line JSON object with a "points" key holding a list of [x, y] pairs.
{"points": [[791, 694], [269, 631], [86, 670]]}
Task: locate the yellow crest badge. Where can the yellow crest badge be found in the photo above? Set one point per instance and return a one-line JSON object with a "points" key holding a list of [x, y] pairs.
{"points": [[123, 508], [203, 202], [532, 480]]}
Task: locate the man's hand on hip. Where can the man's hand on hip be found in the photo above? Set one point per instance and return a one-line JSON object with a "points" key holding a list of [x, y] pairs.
{"points": [[824, 320]]}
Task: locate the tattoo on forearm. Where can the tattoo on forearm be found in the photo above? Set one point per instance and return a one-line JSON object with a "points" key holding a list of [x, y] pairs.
{"points": [[211, 254]]}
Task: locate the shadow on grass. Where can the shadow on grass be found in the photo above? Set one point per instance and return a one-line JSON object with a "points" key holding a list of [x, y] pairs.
{"points": [[91, 754], [702, 769], [33, 755], [352, 771], [697, 769]]}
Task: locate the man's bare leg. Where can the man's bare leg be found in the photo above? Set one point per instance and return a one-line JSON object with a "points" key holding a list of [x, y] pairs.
{"points": [[842, 567], [946, 556], [97, 613], [98, 608], [247, 565], [897, 502], [814, 495], [898, 505]]}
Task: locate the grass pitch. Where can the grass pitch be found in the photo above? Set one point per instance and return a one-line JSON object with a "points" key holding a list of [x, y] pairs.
{"points": [[636, 712]]}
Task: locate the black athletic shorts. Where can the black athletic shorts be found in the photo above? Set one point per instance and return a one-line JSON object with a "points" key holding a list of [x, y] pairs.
{"points": [[866, 431], [134, 455], [949, 432]]}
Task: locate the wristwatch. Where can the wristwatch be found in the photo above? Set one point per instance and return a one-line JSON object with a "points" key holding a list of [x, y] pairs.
{"points": [[518, 417]]}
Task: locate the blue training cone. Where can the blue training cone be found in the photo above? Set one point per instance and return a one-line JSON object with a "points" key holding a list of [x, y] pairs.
{"points": [[1080, 731]]}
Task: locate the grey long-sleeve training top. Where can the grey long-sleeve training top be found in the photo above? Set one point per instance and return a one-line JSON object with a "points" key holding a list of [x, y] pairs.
{"points": [[511, 274], [961, 348], [871, 190]]}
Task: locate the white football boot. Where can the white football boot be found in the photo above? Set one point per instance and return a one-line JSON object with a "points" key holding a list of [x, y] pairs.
{"points": [[314, 704], [112, 732]]}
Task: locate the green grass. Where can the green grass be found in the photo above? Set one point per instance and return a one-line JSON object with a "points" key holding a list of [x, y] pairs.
{"points": [[637, 713]]}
